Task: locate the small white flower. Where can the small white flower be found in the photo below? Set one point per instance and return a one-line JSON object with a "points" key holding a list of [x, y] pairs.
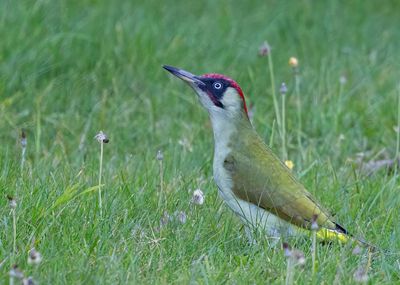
{"points": [[28, 281], [34, 257], [287, 250], [160, 155], [298, 257], [12, 202], [165, 219], [181, 216], [15, 272], [342, 80], [23, 139], [293, 62], [101, 137], [264, 49], [314, 224], [198, 197], [283, 89]]}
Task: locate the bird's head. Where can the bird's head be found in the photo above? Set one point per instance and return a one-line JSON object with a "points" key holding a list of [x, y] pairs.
{"points": [[218, 93]]}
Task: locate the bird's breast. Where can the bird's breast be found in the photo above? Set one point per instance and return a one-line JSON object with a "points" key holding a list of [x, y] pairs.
{"points": [[252, 215]]}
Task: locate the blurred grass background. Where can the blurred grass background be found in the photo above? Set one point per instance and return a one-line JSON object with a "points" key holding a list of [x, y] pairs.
{"points": [[71, 68]]}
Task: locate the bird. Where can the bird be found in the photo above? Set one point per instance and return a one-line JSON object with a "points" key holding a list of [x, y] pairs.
{"points": [[254, 183]]}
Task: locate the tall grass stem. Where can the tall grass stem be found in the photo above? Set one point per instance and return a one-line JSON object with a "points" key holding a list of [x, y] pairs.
{"points": [[283, 131], [299, 108], [14, 217], [273, 90], [100, 175]]}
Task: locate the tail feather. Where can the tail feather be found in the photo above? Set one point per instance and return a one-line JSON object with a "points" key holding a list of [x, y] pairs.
{"points": [[342, 235], [333, 235]]}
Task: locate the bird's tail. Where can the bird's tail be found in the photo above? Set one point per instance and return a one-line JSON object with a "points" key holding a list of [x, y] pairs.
{"points": [[343, 236], [333, 235]]}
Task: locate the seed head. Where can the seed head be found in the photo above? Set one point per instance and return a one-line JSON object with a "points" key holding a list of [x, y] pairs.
{"points": [[264, 49], [181, 217], [165, 219], [12, 202], [287, 250], [23, 139], [34, 257], [15, 272], [160, 155], [314, 224], [28, 281], [283, 90], [289, 164], [298, 257], [102, 137], [198, 197], [293, 62], [342, 80]]}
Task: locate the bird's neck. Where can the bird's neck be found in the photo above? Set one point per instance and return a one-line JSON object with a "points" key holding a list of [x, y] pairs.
{"points": [[227, 127]]}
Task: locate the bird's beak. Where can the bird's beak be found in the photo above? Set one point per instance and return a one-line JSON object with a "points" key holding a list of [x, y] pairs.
{"points": [[185, 75]]}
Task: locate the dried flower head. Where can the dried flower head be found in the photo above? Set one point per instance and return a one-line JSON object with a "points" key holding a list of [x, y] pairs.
{"points": [[34, 257], [289, 164], [264, 49], [360, 275], [198, 197], [298, 257], [28, 281], [293, 62], [165, 219], [283, 89], [23, 138], [342, 80], [287, 250], [12, 202], [15, 272], [160, 155], [102, 137], [314, 224], [181, 216]]}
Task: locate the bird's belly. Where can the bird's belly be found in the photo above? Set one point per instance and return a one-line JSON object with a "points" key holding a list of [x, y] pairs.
{"points": [[251, 215]]}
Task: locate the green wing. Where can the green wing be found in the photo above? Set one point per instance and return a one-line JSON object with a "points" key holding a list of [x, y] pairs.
{"points": [[259, 177]]}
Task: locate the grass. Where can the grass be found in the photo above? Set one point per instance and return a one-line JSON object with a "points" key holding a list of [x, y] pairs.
{"points": [[69, 69]]}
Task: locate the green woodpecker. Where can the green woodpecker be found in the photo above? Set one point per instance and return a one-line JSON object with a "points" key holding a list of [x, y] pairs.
{"points": [[251, 179]]}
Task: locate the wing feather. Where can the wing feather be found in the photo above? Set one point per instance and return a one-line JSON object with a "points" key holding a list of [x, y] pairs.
{"points": [[259, 177]]}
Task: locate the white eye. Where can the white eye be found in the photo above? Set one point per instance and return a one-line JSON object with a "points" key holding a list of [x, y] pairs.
{"points": [[217, 85]]}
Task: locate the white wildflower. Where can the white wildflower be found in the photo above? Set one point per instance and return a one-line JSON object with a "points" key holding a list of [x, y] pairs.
{"points": [[34, 257], [101, 137], [198, 197], [181, 216], [160, 155]]}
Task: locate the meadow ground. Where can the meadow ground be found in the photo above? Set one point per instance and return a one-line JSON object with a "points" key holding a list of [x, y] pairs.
{"points": [[69, 69]]}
